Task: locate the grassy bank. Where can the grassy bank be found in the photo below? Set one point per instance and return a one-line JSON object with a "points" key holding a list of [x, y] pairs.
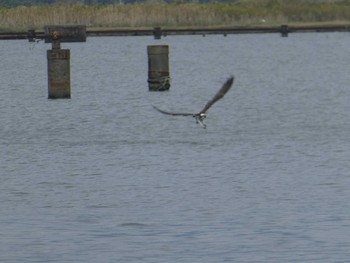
{"points": [[179, 14]]}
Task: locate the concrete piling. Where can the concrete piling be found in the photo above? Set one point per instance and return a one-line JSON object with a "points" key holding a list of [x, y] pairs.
{"points": [[158, 67], [58, 60], [58, 72]]}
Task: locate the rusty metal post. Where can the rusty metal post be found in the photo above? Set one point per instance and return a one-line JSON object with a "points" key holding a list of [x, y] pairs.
{"points": [[58, 69], [158, 68]]}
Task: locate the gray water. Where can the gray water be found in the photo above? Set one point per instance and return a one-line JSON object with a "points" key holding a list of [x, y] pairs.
{"points": [[103, 177]]}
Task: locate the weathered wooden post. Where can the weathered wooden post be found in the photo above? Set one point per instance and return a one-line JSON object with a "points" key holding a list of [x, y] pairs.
{"points": [[284, 30], [158, 68], [58, 60]]}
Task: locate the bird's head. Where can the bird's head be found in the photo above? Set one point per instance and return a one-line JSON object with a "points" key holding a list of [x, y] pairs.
{"points": [[200, 116]]}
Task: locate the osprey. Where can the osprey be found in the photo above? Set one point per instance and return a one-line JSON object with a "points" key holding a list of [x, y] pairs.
{"points": [[200, 116]]}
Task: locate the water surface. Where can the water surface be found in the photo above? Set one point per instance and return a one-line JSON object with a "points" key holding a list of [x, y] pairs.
{"points": [[103, 177]]}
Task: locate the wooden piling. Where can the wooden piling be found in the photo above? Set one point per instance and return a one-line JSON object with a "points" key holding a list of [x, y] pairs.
{"points": [[158, 67]]}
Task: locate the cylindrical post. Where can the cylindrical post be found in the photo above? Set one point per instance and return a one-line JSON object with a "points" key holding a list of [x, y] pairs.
{"points": [[158, 68], [58, 68]]}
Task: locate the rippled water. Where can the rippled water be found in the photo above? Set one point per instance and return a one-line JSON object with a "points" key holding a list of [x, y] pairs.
{"points": [[103, 177]]}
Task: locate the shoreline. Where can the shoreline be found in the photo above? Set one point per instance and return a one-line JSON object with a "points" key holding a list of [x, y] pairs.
{"points": [[159, 32]]}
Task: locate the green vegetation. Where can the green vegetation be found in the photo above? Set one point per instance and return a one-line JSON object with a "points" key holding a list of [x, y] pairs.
{"points": [[178, 14]]}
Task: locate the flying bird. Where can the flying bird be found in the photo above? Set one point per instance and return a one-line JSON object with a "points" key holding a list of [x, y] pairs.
{"points": [[200, 116]]}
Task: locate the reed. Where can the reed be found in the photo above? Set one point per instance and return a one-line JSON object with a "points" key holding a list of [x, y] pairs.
{"points": [[177, 14]]}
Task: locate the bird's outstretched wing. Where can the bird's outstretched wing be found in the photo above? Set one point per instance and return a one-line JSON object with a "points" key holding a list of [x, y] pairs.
{"points": [[174, 113], [219, 95]]}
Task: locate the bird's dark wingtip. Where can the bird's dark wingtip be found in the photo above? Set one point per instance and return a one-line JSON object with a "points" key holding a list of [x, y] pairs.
{"points": [[231, 78]]}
